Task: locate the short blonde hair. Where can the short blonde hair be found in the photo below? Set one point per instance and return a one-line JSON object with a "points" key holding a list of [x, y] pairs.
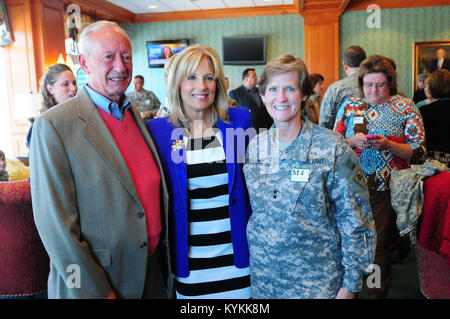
{"points": [[180, 66], [282, 64]]}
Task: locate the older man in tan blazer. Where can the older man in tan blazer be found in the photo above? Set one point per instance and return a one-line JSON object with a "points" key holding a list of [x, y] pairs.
{"points": [[105, 232]]}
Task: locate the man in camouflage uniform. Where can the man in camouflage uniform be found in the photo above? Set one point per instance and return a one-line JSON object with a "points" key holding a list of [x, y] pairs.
{"points": [[341, 90], [311, 231], [146, 101]]}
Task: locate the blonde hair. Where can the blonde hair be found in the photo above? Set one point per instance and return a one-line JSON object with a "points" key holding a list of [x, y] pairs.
{"points": [[179, 67], [282, 64]]}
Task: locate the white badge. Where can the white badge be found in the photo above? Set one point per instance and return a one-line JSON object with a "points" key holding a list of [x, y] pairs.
{"points": [[358, 120], [299, 175]]}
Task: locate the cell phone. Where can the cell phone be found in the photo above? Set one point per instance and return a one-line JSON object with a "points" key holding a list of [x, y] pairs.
{"points": [[371, 136]]}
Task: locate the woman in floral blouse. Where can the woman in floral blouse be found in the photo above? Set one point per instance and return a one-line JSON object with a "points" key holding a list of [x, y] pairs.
{"points": [[385, 131]]}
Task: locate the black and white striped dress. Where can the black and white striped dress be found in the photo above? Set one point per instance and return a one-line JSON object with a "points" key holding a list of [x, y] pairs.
{"points": [[212, 273]]}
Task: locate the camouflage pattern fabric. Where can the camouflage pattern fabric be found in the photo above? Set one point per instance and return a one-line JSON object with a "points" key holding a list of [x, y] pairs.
{"points": [[145, 101], [335, 95], [311, 231], [407, 195]]}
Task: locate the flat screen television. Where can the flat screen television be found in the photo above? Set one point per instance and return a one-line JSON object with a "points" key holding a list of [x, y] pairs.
{"points": [[244, 50], [158, 52]]}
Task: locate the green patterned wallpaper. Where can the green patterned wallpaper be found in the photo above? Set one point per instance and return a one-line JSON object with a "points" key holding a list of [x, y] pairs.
{"points": [[400, 28], [284, 34]]}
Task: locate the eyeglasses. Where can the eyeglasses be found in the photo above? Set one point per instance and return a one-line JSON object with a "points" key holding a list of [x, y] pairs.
{"points": [[370, 86]]}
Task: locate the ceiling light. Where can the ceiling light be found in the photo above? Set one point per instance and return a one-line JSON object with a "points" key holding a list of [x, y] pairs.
{"points": [[152, 7]]}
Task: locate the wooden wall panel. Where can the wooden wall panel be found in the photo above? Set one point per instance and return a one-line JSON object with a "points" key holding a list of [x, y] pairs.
{"points": [[322, 44], [103, 10], [48, 33], [20, 67], [216, 13], [21, 77], [37, 28]]}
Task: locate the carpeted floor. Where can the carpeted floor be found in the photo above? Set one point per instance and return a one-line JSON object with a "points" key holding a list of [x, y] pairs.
{"points": [[404, 285], [405, 280]]}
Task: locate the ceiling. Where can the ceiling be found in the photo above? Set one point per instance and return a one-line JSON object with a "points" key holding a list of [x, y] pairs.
{"points": [[142, 6], [140, 11]]}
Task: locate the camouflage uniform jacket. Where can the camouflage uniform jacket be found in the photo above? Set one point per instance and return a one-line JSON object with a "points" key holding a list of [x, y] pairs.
{"points": [[312, 230], [407, 194], [145, 101], [334, 96]]}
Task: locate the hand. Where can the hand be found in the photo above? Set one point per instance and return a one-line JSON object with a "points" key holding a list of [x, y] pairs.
{"points": [[359, 140], [345, 294], [381, 143], [146, 114]]}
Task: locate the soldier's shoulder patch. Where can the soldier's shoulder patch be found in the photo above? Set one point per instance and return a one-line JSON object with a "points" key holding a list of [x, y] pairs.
{"points": [[359, 178], [350, 169], [348, 164]]}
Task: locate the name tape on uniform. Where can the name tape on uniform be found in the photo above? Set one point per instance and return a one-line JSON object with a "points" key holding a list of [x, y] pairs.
{"points": [[299, 175]]}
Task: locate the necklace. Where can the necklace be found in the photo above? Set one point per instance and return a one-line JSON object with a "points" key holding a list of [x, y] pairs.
{"points": [[200, 129]]}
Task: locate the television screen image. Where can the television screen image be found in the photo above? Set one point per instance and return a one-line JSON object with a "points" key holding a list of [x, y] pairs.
{"points": [[244, 50], [158, 52]]}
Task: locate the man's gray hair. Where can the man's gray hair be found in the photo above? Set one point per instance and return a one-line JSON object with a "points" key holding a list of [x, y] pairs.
{"points": [[83, 42]]}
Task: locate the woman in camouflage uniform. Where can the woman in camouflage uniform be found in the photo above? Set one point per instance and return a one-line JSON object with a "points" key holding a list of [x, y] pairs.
{"points": [[311, 234]]}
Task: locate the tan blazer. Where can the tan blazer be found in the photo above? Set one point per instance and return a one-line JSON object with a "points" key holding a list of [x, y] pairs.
{"points": [[85, 204]]}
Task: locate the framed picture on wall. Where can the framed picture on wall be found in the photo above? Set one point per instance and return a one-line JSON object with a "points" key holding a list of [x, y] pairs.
{"points": [[5, 29], [427, 56]]}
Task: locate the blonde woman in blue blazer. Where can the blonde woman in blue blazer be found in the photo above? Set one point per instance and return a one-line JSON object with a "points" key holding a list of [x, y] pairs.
{"points": [[202, 147]]}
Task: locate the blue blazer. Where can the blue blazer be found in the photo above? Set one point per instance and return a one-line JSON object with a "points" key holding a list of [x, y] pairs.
{"points": [[168, 140]]}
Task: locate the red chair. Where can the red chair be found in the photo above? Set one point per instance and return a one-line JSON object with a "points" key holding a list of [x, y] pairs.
{"points": [[433, 244], [24, 263]]}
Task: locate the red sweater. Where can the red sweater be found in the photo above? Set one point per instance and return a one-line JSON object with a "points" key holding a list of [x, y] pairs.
{"points": [[143, 170]]}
